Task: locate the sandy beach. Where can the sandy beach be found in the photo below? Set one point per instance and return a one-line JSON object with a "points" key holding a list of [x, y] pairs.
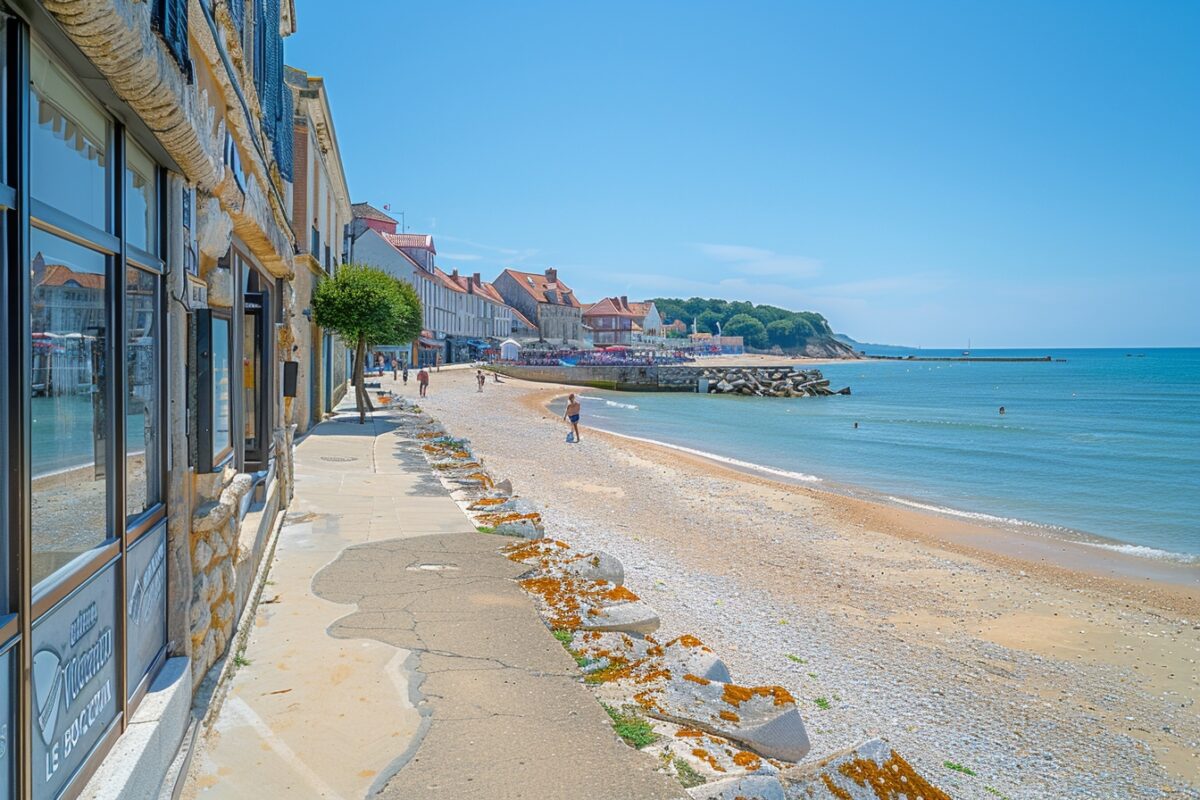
{"points": [[1042, 668]]}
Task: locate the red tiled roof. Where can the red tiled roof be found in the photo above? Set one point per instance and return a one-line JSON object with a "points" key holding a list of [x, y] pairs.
{"points": [[489, 291], [448, 281], [415, 241], [543, 290], [641, 309], [368, 211], [610, 307], [61, 275]]}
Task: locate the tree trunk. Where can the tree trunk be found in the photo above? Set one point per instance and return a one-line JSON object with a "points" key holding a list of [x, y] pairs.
{"points": [[361, 398]]}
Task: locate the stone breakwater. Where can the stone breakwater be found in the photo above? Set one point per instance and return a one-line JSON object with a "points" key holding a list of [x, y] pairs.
{"points": [[674, 699], [768, 382], [754, 381]]}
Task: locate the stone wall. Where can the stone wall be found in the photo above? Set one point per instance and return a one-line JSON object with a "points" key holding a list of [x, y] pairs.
{"points": [[213, 551]]}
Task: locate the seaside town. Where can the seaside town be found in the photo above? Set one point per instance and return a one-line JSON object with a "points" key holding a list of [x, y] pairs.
{"points": [[321, 535]]}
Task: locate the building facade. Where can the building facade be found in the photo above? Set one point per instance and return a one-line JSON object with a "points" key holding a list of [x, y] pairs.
{"points": [[146, 320], [612, 321], [320, 220], [648, 319], [544, 300]]}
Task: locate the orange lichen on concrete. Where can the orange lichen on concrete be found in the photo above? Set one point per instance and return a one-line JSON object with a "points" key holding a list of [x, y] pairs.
{"points": [[538, 548], [687, 640], [428, 435], [747, 760], [655, 651], [496, 520], [835, 790], [485, 502], [563, 603], [707, 758], [729, 716], [649, 676], [689, 733], [619, 594], [647, 700], [697, 679], [484, 479], [895, 779], [735, 695]]}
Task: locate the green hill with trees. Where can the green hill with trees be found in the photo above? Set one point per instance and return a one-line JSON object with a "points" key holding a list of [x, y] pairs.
{"points": [[762, 327]]}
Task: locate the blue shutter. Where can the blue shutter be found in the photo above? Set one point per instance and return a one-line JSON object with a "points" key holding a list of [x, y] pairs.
{"points": [[237, 11], [170, 18], [284, 137]]}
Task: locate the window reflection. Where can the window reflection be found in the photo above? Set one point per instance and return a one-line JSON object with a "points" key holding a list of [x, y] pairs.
{"points": [[251, 379], [143, 470], [68, 401], [141, 198], [221, 389], [68, 145]]}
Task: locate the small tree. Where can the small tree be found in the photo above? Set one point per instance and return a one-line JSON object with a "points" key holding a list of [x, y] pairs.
{"points": [[367, 307]]}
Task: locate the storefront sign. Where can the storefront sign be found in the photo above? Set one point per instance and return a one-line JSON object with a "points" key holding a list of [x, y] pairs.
{"points": [[197, 293], [146, 605], [74, 681]]}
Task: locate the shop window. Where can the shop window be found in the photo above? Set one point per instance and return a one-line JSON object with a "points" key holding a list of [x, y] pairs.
{"points": [[257, 373], [68, 145], [69, 385], [141, 199], [143, 387], [214, 396]]}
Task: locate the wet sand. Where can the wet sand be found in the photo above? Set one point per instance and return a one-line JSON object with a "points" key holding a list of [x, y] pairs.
{"points": [[1050, 668]]}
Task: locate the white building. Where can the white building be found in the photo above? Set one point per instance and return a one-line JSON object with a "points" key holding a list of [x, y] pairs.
{"points": [[459, 313]]}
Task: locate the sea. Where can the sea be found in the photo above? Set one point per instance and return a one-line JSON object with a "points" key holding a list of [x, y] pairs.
{"points": [[1099, 445]]}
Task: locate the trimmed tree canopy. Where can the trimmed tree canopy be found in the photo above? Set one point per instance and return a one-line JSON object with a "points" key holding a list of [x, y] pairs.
{"points": [[362, 303], [366, 307]]}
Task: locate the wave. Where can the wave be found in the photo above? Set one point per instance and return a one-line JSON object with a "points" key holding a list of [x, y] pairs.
{"points": [[609, 403], [1142, 551], [976, 515], [733, 462]]}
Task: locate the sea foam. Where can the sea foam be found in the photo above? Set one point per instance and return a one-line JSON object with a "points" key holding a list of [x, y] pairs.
{"points": [[733, 462]]}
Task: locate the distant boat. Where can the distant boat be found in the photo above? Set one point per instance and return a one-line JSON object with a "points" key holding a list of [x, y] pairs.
{"points": [[967, 352]]}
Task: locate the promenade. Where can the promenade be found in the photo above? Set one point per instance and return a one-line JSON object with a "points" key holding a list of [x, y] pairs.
{"points": [[392, 654]]}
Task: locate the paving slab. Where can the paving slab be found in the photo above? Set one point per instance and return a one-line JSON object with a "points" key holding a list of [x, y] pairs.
{"points": [[394, 655]]}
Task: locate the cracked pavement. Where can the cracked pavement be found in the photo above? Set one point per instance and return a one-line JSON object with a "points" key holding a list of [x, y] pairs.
{"points": [[394, 655]]}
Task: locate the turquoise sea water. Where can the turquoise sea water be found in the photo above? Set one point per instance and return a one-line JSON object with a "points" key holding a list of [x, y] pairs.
{"points": [[1106, 443]]}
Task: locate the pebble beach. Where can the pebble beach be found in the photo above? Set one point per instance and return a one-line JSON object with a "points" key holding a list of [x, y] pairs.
{"points": [[999, 671]]}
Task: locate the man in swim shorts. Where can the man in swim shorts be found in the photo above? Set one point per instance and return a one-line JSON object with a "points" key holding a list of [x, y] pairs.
{"points": [[572, 414]]}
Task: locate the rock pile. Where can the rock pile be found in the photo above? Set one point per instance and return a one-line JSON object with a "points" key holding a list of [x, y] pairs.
{"points": [[721, 739], [769, 382]]}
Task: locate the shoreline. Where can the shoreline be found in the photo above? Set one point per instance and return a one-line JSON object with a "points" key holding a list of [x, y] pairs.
{"points": [[1090, 561], [1046, 673]]}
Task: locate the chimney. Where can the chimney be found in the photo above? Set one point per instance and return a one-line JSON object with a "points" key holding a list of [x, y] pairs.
{"points": [[476, 279], [625, 302], [454, 274], [552, 274]]}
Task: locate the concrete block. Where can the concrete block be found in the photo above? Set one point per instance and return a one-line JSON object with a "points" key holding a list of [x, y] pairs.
{"points": [[138, 762]]}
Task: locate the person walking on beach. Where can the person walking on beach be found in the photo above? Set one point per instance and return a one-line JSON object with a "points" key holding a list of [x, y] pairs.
{"points": [[395, 367], [404, 373], [423, 381], [480, 380], [572, 415]]}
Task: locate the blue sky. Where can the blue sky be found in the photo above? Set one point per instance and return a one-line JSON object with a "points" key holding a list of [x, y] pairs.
{"points": [[1015, 173]]}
